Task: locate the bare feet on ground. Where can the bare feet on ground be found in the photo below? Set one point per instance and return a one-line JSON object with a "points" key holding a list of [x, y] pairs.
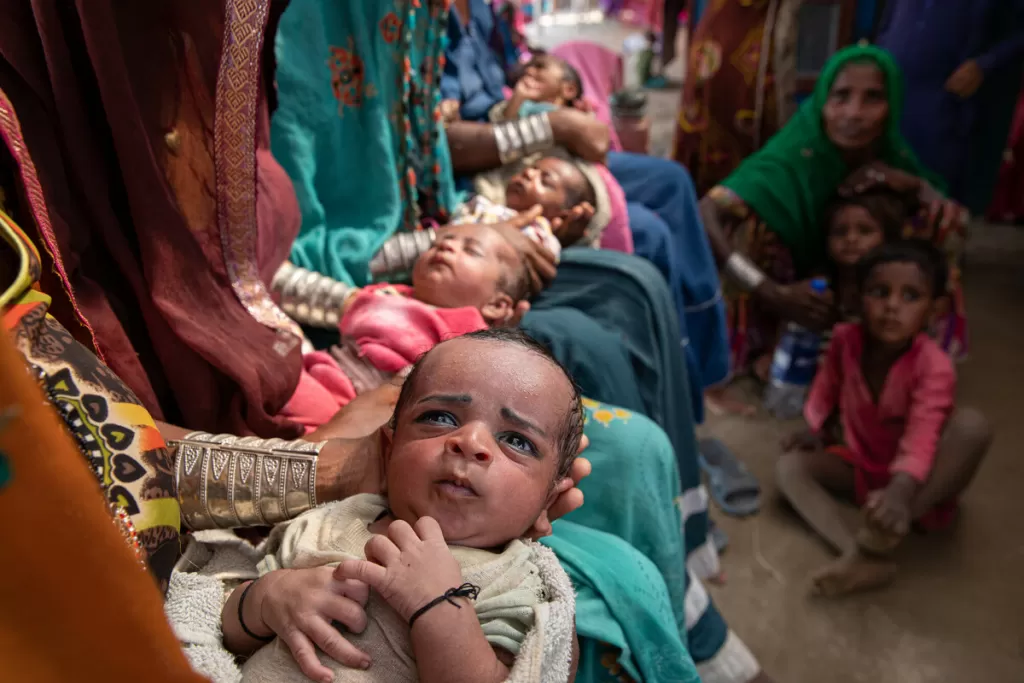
{"points": [[852, 573]]}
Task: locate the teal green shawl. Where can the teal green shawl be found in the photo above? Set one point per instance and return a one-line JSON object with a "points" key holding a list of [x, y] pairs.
{"points": [[789, 182], [358, 84]]}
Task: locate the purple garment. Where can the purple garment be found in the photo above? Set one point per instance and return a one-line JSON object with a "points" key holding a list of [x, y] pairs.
{"points": [[930, 39]]}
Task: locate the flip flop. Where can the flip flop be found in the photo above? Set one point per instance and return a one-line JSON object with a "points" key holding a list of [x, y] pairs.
{"points": [[733, 487]]}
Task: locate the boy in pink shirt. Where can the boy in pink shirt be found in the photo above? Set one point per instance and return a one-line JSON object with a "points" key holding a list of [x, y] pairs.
{"points": [[887, 391]]}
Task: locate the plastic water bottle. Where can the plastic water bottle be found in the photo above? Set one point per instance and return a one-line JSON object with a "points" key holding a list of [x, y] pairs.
{"points": [[793, 367]]}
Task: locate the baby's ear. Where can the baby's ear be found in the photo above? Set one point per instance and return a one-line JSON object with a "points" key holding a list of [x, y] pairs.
{"points": [[499, 310]]}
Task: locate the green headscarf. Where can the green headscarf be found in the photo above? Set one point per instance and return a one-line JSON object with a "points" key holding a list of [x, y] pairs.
{"points": [[790, 181]]}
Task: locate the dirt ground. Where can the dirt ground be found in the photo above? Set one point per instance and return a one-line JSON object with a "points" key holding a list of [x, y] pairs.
{"points": [[956, 611]]}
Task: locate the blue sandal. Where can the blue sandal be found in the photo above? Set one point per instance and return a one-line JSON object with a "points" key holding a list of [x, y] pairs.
{"points": [[732, 486]]}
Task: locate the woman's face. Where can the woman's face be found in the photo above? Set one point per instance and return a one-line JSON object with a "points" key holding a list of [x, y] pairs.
{"points": [[857, 107]]}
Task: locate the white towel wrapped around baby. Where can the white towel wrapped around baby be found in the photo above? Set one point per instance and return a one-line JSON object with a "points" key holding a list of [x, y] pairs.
{"points": [[526, 604]]}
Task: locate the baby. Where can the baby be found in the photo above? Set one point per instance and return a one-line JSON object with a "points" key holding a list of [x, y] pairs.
{"points": [[559, 186], [546, 83], [469, 279], [569, 193], [889, 390], [482, 438]]}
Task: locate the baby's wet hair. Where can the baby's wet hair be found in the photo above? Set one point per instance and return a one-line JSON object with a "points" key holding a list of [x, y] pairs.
{"points": [[922, 253], [571, 432]]}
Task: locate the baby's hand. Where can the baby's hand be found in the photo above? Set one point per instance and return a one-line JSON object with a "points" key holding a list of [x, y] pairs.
{"points": [[409, 567]]}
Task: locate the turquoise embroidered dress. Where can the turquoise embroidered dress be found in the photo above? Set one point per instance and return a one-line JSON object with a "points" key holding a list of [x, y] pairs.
{"points": [[357, 128]]}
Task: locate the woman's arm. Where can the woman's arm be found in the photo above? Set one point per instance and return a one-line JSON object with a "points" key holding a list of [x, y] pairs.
{"points": [[310, 298], [226, 481], [791, 302], [479, 147]]}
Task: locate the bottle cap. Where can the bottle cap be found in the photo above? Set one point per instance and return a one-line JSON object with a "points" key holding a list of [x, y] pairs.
{"points": [[819, 285]]}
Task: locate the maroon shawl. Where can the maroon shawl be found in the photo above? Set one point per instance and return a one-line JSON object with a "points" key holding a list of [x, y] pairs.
{"points": [[133, 127]]}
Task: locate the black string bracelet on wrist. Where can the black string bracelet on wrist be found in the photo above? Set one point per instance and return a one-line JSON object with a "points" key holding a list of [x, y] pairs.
{"points": [[241, 621], [466, 590]]}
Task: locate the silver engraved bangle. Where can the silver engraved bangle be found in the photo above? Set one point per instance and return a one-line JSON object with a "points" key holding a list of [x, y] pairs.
{"points": [[399, 254], [310, 298], [743, 272], [506, 152], [225, 481], [540, 133]]}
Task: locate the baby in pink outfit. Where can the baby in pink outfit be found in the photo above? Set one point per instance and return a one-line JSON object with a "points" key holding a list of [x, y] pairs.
{"points": [[470, 279]]}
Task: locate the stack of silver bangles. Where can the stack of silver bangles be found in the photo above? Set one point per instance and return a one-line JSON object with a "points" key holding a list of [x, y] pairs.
{"points": [[400, 252], [310, 298], [522, 137], [226, 481], [743, 272]]}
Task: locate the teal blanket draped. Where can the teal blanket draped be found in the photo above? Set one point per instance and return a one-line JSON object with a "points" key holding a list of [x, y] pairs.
{"points": [[628, 601]]}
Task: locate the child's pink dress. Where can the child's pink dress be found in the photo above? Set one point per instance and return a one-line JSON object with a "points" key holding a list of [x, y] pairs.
{"points": [[898, 433]]}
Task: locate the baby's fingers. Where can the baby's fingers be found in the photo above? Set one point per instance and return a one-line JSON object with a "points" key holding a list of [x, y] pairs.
{"points": [[337, 648], [305, 655]]}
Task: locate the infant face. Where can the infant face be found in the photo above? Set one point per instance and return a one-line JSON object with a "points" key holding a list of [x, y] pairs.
{"points": [[464, 267], [476, 445], [551, 182], [543, 81]]}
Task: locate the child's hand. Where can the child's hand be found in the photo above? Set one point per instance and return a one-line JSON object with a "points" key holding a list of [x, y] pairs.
{"points": [[409, 567], [804, 440], [888, 510]]}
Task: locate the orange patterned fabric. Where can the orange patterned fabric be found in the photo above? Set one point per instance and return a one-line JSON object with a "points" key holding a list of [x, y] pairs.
{"points": [[77, 605]]}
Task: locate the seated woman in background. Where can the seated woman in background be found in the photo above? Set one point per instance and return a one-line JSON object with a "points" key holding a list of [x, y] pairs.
{"points": [[765, 220]]}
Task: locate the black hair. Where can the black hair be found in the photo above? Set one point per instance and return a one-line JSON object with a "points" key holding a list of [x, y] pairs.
{"points": [[572, 76], [891, 209], [571, 433], [515, 280], [584, 192], [922, 253]]}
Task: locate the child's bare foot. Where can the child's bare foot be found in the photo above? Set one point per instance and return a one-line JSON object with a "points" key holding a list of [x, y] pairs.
{"points": [[852, 573], [877, 541]]}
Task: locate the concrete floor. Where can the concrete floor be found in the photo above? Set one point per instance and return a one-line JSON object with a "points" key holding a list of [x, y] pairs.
{"points": [[956, 611]]}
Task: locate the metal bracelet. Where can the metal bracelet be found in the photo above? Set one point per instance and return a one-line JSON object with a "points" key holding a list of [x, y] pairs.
{"points": [[310, 298], [226, 481], [537, 129], [743, 272], [399, 254]]}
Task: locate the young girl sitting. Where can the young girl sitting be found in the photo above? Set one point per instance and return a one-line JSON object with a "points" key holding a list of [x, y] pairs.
{"points": [[886, 390], [480, 445]]}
